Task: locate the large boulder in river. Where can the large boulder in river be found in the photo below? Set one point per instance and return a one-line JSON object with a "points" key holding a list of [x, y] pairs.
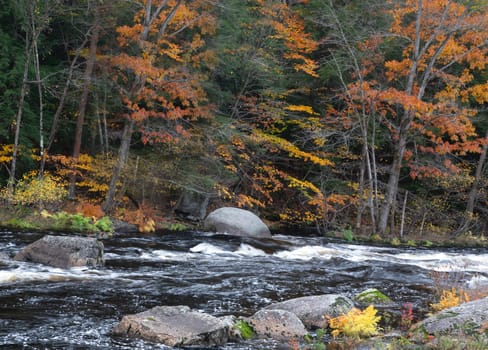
{"points": [[277, 324], [313, 310], [238, 222], [467, 318], [64, 252], [174, 326]]}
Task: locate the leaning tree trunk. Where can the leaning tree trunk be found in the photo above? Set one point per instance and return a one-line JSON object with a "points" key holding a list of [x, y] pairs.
{"points": [[18, 119], [394, 179], [84, 102], [121, 159], [473, 193]]}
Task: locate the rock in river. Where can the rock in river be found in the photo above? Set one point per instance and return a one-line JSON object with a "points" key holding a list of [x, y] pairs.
{"points": [[64, 252], [174, 326], [238, 222]]}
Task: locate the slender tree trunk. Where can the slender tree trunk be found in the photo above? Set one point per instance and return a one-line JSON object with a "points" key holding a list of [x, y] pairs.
{"points": [[404, 128], [121, 159], [62, 100], [41, 104], [473, 193], [393, 181], [18, 119], [84, 101], [149, 18]]}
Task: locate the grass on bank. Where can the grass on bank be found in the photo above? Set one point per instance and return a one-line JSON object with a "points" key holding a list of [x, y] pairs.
{"points": [[29, 219]]}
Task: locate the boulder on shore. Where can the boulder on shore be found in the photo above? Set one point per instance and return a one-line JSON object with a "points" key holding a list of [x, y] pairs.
{"points": [[238, 222], [312, 310], [467, 318], [174, 326], [64, 252], [277, 324]]}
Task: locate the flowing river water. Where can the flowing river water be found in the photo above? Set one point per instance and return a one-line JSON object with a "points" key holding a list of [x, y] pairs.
{"points": [[50, 308]]}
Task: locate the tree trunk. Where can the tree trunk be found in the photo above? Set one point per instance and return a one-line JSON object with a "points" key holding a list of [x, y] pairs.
{"points": [[41, 105], [18, 119], [84, 101], [393, 181], [473, 193], [121, 159], [62, 100]]}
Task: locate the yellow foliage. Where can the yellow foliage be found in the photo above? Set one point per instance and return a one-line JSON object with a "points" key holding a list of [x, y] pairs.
{"points": [[356, 324], [301, 108], [292, 150], [33, 189], [147, 226], [450, 298]]}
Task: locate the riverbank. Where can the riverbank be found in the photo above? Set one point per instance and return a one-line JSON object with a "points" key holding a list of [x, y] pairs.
{"points": [[93, 222]]}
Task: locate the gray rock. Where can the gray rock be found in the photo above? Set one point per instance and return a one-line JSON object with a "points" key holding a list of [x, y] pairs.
{"points": [[124, 227], [277, 324], [192, 205], [467, 318], [63, 252], [312, 310], [174, 326], [238, 222]]}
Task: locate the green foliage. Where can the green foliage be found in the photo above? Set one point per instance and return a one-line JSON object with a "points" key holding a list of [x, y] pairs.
{"points": [[80, 223], [317, 342], [178, 227], [348, 235], [372, 296], [104, 224], [20, 224], [244, 329], [395, 242]]}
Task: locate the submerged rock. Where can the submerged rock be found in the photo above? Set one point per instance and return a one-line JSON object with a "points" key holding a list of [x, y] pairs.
{"points": [[313, 310], [238, 222], [277, 324], [64, 252], [468, 318], [174, 326]]}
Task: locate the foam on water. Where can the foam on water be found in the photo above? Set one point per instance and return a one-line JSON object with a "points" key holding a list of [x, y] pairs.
{"points": [[249, 250], [209, 249], [432, 260], [308, 253], [166, 255]]}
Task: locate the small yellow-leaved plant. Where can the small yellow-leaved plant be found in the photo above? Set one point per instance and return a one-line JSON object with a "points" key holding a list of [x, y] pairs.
{"points": [[450, 298], [356, 323]]}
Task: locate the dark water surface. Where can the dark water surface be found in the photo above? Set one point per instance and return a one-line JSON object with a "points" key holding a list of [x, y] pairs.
{"points": [[49, 308]]}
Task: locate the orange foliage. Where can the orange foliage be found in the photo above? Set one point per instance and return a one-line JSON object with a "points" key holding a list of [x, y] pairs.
{"points": [[90, 210], [153, 70], [290, 29], [451, 35]]}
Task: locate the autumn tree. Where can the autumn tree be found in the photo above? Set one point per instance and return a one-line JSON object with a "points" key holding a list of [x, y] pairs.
{"points": [[444, 44], [273, 146], [155, 76], [350, 34]]}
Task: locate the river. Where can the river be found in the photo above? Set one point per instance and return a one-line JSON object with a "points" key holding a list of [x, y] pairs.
{"points": [[50, 308]]}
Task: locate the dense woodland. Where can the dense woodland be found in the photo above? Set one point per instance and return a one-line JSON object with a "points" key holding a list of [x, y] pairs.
{"points": [[369, 116]]}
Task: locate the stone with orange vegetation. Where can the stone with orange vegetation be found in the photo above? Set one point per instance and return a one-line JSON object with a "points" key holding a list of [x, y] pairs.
{"points": [[467, 318]]}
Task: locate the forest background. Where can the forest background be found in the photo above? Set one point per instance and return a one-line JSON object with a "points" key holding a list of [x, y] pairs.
{"points": [[354, 116]]}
